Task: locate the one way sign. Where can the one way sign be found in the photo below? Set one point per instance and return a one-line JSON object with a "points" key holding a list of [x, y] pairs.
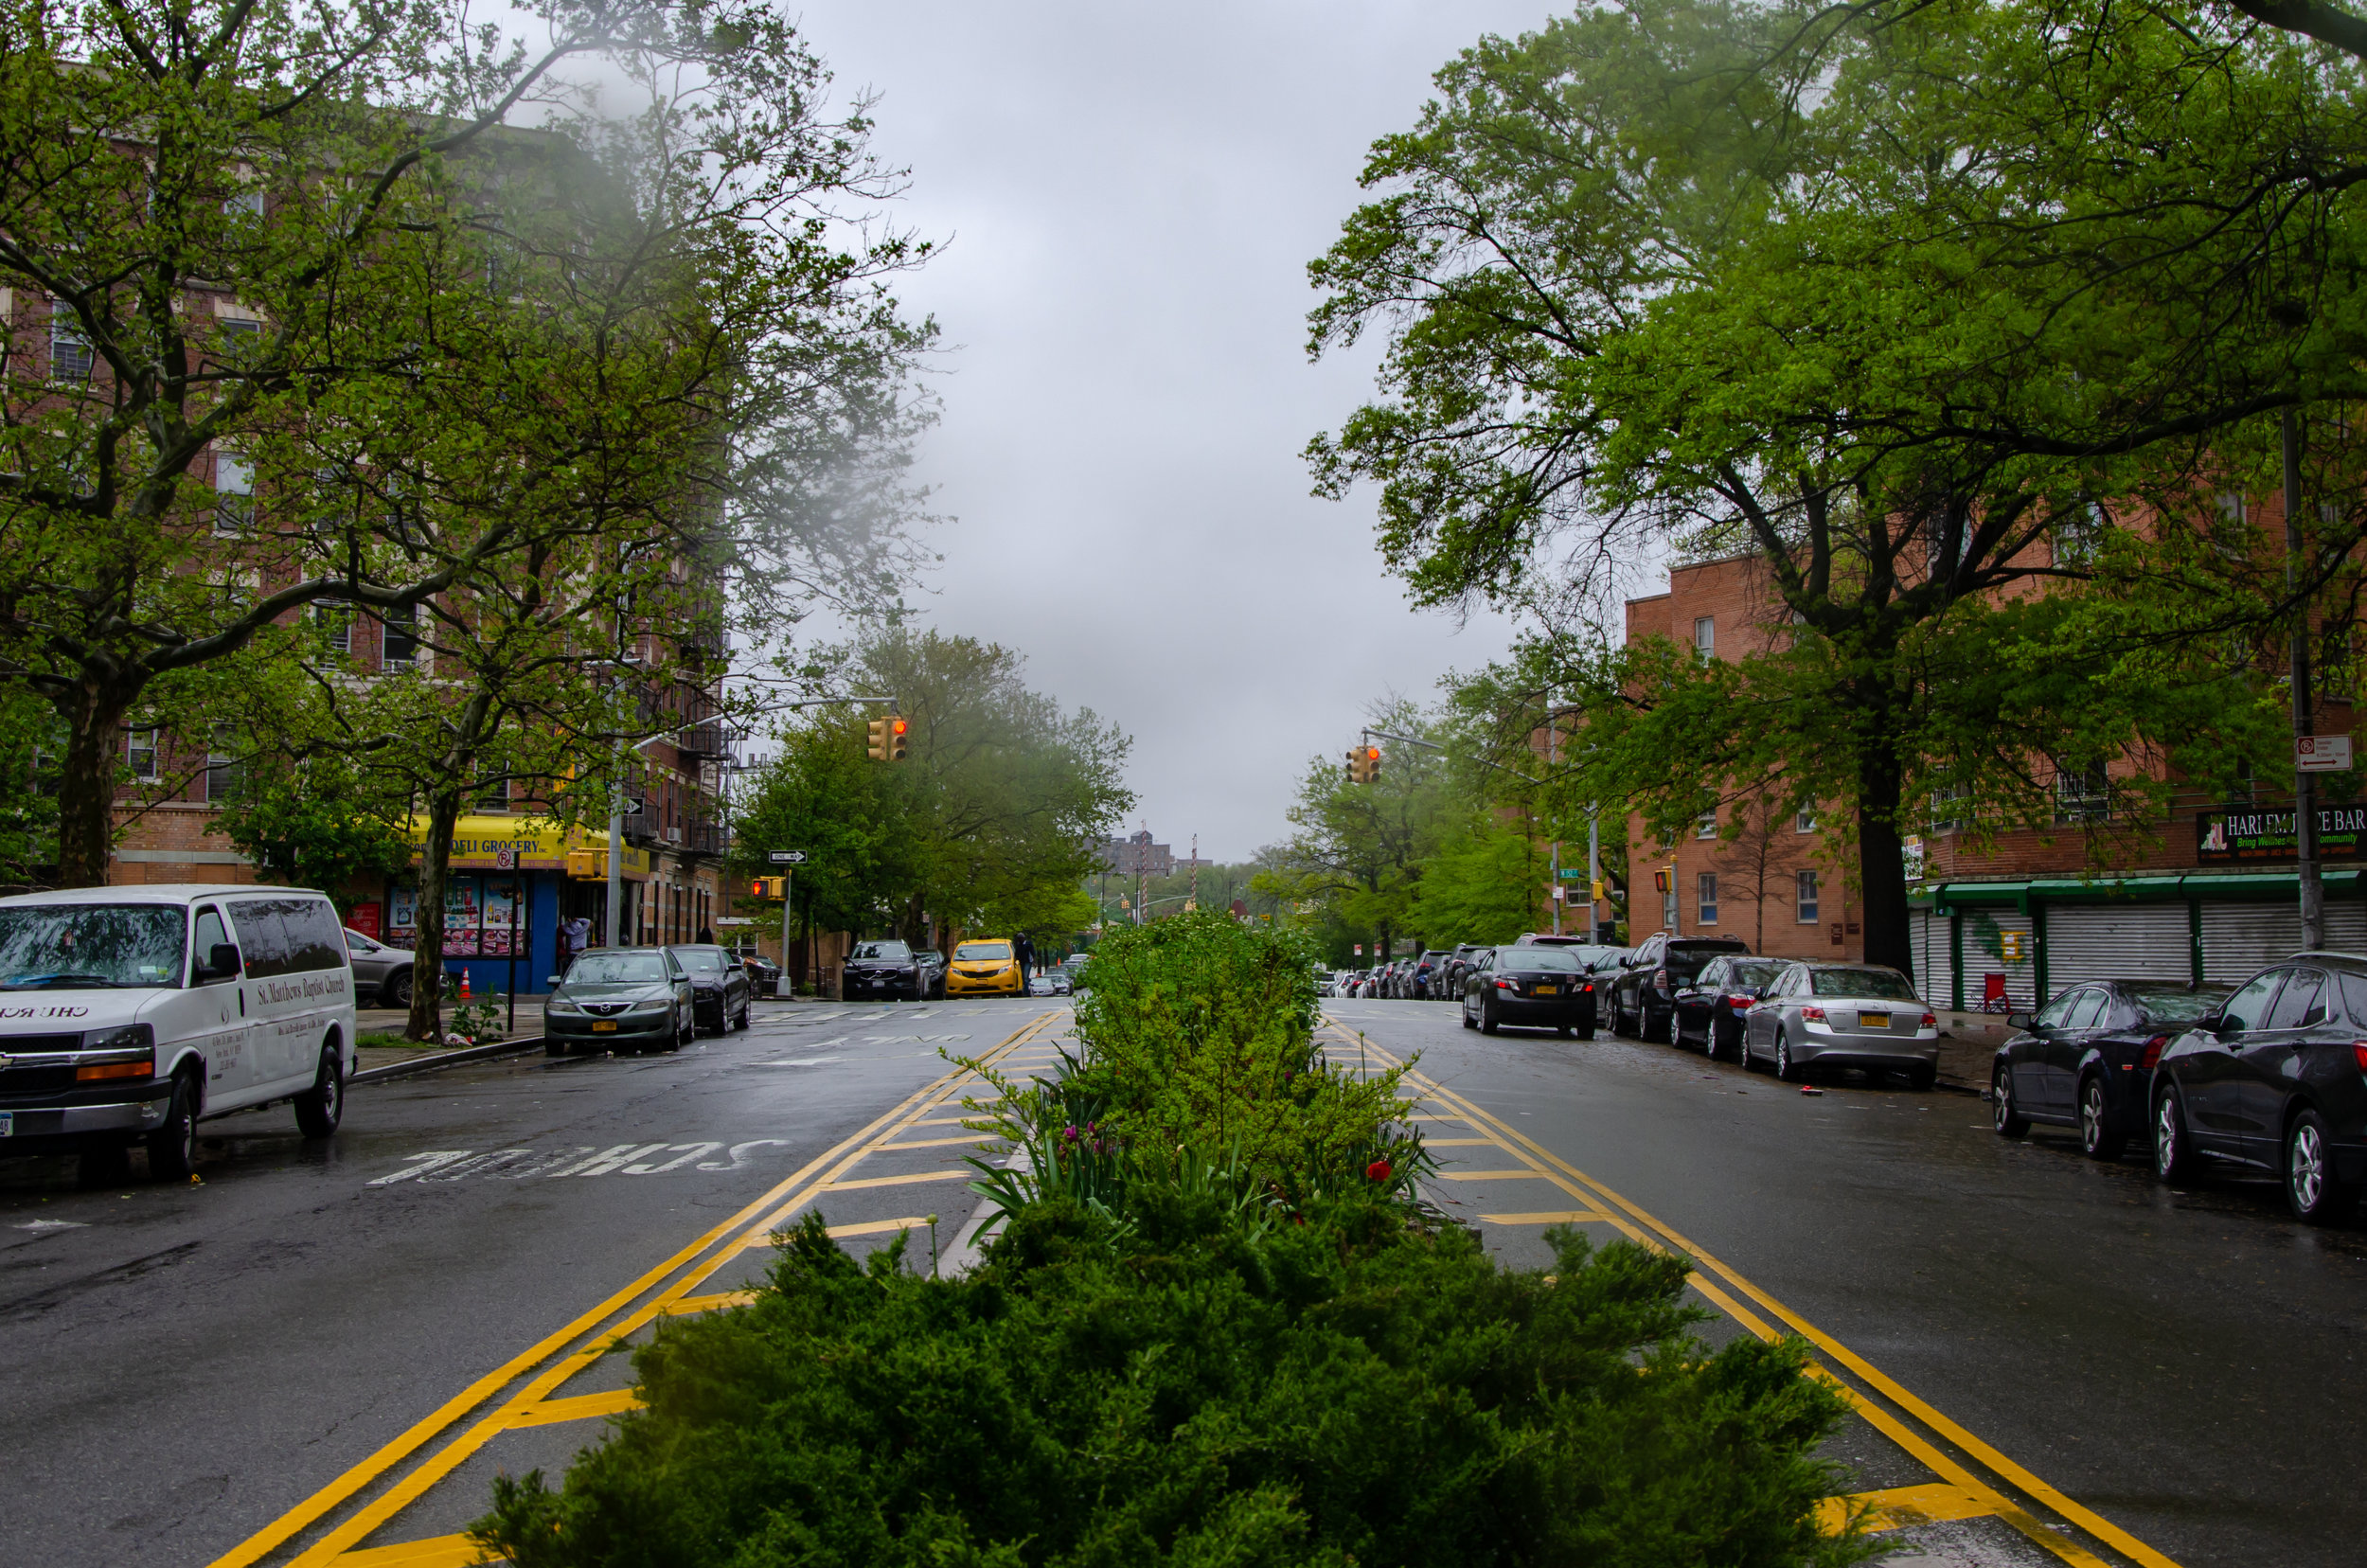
{"points": [[787, 857]]}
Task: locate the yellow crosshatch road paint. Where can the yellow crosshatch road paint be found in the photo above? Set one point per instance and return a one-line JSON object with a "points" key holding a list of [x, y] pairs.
{"points": [[331, 1525], [1975, 1481]]}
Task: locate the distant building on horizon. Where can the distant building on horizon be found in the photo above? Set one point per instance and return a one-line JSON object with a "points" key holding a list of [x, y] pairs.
{"points": [[1137, 855]]}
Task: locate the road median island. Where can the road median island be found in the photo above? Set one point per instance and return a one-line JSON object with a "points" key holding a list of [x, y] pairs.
{"points": [[1211, 1322]]}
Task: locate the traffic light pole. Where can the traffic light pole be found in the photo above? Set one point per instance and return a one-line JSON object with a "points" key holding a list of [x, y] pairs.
{"points": [[788, 887]]}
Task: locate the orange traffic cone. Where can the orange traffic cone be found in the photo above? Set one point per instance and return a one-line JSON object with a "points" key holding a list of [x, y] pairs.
{"points": [[464, 984]]}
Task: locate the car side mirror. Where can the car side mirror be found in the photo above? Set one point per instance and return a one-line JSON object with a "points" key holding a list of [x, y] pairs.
{"points": [[2211, 1023], [554, 982], [2017, 1021], [221, 962]]}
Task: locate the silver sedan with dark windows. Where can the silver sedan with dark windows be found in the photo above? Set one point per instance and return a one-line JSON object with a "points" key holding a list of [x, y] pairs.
{"points": [[1866, 1016], [620, 999]]}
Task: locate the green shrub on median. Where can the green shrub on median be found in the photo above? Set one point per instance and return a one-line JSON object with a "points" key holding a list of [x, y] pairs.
{"points": [[1216, 1327], [1341, 1391]]}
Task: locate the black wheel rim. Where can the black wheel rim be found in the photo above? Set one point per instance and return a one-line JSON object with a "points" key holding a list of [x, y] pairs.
{"points": [[2165, 1136], [2091, 1115]]}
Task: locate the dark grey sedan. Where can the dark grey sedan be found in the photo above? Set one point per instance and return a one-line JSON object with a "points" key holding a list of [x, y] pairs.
{"points": [[720, 987], [620, 999], [1843, 1015]]}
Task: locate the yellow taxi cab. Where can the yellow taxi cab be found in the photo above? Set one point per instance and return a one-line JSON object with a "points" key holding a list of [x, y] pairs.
{"points": [[984, 968]]}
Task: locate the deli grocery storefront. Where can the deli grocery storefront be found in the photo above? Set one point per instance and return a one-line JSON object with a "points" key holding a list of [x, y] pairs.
{"points": [[507, 897], [2237, 911]]}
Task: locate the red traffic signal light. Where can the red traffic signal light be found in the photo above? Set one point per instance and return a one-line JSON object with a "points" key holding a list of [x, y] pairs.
{"points": [[1364, 764]]}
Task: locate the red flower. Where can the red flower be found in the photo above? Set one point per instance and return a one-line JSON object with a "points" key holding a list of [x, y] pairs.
{"points": [[1378, 1170]]}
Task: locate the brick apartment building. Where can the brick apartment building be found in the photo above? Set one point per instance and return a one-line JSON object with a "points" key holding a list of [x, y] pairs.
{"points": [[2214, 896]]}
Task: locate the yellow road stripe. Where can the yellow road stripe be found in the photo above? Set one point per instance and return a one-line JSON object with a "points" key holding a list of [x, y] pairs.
{"points": [[438, 1552], [1463, 1143], [2102, 1530], [1568, 1216], [576, 1407], [962, 1175], [1451, 1174], [1899, 1507], [932, 1143], [715, 1303], [444, 1417]]}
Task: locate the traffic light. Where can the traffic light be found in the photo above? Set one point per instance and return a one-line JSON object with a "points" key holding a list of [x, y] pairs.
{"points": [[587, 864], [768, 887], [889, 737], [1365, 765], [1665, 879]]}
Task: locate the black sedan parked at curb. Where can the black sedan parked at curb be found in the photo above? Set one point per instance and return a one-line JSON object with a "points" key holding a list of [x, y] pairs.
{"points": [[721, 990], [884, 969], [620, 999], [1538, 986], [1710, 1009], [2086, 1060], [1643, 993], [2275, 1082]]}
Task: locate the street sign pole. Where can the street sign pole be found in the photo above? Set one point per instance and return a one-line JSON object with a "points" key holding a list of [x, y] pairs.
{"points": [[2313, 887], [788, 879]]}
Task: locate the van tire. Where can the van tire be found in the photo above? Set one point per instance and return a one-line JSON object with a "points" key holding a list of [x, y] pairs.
{"points": [[319, 1109], [172, 1147]]}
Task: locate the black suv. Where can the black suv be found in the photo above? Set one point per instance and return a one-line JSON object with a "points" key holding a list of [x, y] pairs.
{"points": [[882, 968], [2275, 1080], [1643, 996]]}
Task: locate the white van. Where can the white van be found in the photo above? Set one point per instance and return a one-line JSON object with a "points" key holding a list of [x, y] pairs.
{"points": [[127, 1013]]}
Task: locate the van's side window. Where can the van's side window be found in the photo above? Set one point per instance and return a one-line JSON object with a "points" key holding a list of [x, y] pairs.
{"points": [[262, 940], [315, 939], [211, 934]]}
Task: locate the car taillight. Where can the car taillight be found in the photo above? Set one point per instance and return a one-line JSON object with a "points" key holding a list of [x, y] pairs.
{"points": [[1507, 984], [1738, 1000], [2152, 1052], [1931, 1021], [1813, 1014], [2358, 1054]]}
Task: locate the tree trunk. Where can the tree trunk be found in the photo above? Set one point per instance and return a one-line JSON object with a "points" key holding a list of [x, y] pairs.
{"points": [[427, 961], [86, 783], [1882, 857]]}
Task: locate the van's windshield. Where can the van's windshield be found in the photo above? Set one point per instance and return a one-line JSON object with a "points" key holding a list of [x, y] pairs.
{"points": [[91, 947]]}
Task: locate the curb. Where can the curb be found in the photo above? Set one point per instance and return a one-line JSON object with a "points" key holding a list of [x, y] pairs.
{"points": [[444, 1059]]}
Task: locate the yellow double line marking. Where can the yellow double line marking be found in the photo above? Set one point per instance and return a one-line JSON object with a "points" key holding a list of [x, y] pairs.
{"points": [[1962, 1494], [751, 1225]]}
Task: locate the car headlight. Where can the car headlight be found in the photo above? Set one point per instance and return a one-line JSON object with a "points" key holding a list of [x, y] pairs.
{"points": [[654, 1003], [120, 1036], [560, 1005]]}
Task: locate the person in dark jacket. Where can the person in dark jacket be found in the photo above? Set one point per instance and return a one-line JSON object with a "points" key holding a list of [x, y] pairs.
{"points": [[1025, 951]]}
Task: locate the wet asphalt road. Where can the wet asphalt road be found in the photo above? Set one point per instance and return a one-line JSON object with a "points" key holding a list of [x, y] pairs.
{"points": [[2188, 1363], [188, 1363]]}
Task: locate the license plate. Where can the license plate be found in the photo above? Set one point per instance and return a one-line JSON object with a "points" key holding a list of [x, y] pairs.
{"points": [[1873, 1021], [1549, 990], [603, 1029], [8, 1124]]}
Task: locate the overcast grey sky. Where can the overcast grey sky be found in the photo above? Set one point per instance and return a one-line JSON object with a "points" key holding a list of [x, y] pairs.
{"points": [[1131, 193]]}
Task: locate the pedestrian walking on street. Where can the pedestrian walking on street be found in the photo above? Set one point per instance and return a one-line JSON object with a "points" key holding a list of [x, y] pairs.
{"points": [[1025, 951]]}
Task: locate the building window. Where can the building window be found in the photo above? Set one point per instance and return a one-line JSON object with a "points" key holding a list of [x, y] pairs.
{"points": [[225, 770], [1708, 898], [1948, 809], [2081, 795], [1707, 827], [1807, 898], [70, 356], [139, 752], [247, 201], [2078, 532], [234, 495], [2228, 528], [1705, 636], [402, 624], [335, 622], [1805, 821], [496, 797], [236, 338]]}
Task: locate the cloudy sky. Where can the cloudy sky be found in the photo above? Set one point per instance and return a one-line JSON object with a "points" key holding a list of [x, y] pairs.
{"points": [[1131, 193]]}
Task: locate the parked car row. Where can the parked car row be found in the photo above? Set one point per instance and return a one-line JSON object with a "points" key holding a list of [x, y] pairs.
{"points": [[2269, 1078]]}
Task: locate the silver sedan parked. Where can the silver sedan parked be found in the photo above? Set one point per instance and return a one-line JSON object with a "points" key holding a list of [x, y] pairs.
{"points": [[1843, 1015]]}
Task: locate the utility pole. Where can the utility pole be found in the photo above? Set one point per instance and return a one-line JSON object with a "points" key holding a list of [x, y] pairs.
{"points": [[2313, 887], [616, 848], [1594, 871]]}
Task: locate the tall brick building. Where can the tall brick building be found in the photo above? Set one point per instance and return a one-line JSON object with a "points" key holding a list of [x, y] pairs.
{"points": [[2207, 892]]}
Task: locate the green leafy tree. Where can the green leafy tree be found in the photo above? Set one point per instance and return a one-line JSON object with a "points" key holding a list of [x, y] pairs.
{"points": [[314, 823], [1482, 885], [991, 823], [1820, 288]]}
